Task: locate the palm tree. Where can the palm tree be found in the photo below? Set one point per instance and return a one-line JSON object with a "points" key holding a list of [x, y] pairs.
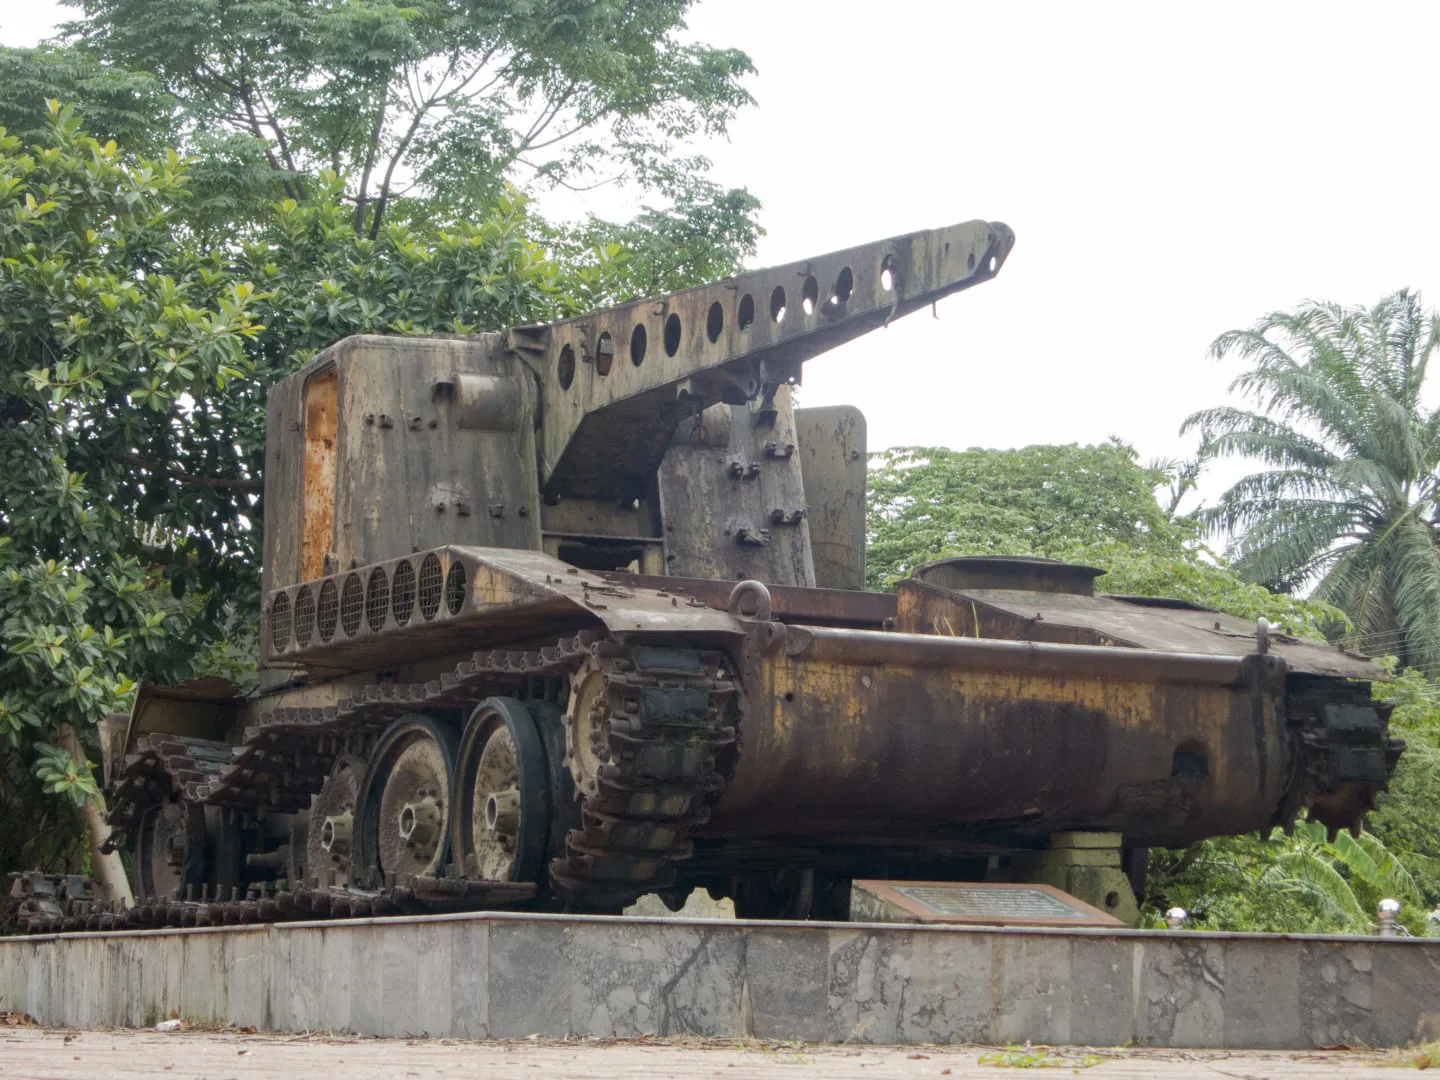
{"points": [[1348, 501]]}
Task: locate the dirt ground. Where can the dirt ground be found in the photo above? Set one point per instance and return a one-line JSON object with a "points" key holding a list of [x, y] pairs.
{"points": [[120, 1055]]}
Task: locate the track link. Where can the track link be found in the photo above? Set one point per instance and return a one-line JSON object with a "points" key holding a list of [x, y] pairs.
{"points": [[661, 727], [59, 903]]}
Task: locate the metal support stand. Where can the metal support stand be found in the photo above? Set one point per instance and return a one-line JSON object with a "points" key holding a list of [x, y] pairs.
{"points": [[1087, 866]]}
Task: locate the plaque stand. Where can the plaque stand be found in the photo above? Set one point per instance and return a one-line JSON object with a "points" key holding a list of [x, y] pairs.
{"points": [[1085, 865]]}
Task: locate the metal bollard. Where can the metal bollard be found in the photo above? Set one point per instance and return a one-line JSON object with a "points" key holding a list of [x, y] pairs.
{"points": [[1389, 922]]}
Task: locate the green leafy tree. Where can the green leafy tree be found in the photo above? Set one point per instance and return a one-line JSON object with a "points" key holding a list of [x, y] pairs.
{"points": [[431, 106], [926, 502], [97, 342], [703, 236], [132, 108], [1407, 817], [1085, 504], [1346, 502]]}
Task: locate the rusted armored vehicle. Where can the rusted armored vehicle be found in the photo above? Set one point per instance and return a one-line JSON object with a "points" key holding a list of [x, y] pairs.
{"points": [[567, 614]]}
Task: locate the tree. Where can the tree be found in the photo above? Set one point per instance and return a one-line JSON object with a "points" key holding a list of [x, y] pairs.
{"points": [[129, 107], [926, 502], [1407, 817], [433, 104], [1085, 504], [1347, 502]]}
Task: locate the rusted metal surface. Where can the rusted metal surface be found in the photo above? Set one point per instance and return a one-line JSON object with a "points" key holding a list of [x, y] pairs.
{"points": [[819, 607], [53, 904], [831, 445], [318, 489], [1010, 572], [608, 422], [457, 598], [736, 483], [856, 734], [204, 707], [659, 751], [1148, 624], [660, 434]]}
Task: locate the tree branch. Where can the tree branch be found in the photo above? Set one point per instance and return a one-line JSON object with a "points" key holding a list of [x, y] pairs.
{"points": [[190, 478], [273, 121], [372, 149], [253, 122], [382, 200]]}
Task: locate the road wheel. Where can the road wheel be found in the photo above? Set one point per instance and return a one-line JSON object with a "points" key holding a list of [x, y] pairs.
{"points": [[501, 828], [402, 822]]}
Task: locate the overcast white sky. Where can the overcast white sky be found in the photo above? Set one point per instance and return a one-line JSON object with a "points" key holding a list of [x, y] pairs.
{"points": [[1171, 171]]}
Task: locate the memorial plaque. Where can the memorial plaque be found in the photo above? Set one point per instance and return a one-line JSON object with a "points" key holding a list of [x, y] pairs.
{"points": [[972, 903]]}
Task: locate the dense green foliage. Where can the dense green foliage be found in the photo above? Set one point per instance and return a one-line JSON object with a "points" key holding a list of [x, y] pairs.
{"points": [[1087, 504], [97, 342], [1408, 818], [1347, 499], [926, 502], [129, 107], [423, 110], [1302, 883]]}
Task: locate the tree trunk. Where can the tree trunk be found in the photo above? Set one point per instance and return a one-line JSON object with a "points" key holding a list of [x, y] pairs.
{"points": [[107, 870]]}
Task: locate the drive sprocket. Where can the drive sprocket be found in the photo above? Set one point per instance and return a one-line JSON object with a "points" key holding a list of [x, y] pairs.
{"points": [[649, 736], [332, 816]]}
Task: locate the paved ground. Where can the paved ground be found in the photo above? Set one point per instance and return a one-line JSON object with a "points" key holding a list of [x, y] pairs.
{"points": [[121, 1055]]}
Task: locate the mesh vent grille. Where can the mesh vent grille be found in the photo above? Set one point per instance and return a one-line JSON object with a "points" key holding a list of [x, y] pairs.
{"points": [[304, 616], [327, 610], [455, 587], [352, 605], [402, 593], [280, 623], [377, 598], [432, 586]]}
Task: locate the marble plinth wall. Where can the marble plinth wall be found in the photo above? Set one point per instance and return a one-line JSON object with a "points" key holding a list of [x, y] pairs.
{"points": [[507, 976]]}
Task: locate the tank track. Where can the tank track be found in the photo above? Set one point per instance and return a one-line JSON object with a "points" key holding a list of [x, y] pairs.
{"points": [[60, 903], [670, 721]]}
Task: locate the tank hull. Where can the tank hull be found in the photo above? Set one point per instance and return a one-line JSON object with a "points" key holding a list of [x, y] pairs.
{"points": [[693, 732], [865, 736]]}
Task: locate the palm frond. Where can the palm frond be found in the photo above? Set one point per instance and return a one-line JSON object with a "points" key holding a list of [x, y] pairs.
{"points": [[1306, 872], [1357, 584], [1415, 568], [1232, 425], [1391, 875], [1286, 541]]}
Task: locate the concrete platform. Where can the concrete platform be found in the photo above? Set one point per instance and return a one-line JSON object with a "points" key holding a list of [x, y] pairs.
{"points": [[514, 975]]}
